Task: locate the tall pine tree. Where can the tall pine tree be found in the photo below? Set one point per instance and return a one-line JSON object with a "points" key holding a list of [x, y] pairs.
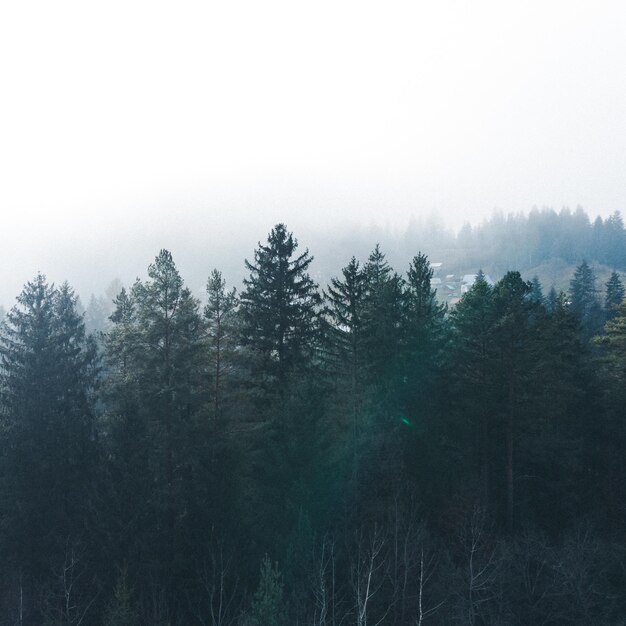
{"points": [[279, 307], [614, 295], [49, 444]]}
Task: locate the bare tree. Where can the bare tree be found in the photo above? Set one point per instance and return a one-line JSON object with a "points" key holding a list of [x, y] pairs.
{"points": [[482, 562], [369, 574], [68, 601], [324, 584], [219, 586]]}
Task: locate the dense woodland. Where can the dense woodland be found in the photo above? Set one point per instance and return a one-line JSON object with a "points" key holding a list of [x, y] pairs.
{"points": [[295, 453]]}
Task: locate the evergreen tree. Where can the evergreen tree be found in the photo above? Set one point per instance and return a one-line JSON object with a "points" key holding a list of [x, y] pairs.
{"points": [[49, 444], [584, 302], [614, 295], [219, 314], [474, 401], [121, 609], [552, 299], [614, 241], [422, 343], [96, 315], [422, 313], [383, 351], [512, 337], [612, 441], [268, 605], [127, 431], [279, 307], [551, 441], [536, 292], [382, 319], [345, 309], [155, 351]]}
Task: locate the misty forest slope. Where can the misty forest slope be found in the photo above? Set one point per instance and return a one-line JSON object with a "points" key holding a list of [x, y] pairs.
{"points": [[352, 452]]}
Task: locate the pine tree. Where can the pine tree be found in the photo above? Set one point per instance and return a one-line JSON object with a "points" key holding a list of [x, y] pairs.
{"points": [[552, 299], [536, 292], [471, 362], [423, 315], [584, 302], [614, 295], [169, 327], [121, 609], [219, 314], [512, 337], [280, 330], [423, 338], [49, 440], [558, 401], [156, 350], [382, 319], [344, 312], [345, 309], [279, 307], [127, 431], [268, 605], [612, 439]]}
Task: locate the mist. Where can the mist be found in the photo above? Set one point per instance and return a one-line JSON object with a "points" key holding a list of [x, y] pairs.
{"points": [[133, 127]]}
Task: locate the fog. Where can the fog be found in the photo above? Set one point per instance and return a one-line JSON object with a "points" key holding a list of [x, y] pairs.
{"points": [[133, 126]]}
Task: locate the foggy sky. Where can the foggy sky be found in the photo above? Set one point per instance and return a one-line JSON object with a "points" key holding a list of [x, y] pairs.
{"points": [[126, 127]]}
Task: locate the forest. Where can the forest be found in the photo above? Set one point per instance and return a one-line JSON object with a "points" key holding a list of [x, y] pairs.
{"points": [[352, 453]]}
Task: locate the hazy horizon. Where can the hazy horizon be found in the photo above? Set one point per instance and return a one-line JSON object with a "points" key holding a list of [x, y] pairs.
{"points": [[133, 127]]}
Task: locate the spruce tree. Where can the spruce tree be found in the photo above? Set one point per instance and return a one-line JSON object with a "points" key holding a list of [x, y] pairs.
{"points": [[345, 304], [345, 298], [472, 363], [127, 434], [513, 332], [156, 351], [382, 319], [584, 301], [559, 398], [279, 308], [536, 292], [220, 317], [614, 295], [552, 299], [422, 342], [423, 315], [49, 441], [268, 604]]}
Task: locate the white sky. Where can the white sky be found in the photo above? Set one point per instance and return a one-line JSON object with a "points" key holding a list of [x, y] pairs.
{"points": [[128, 126]]}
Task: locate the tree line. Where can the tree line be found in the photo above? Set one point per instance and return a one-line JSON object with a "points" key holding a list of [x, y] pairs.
{"points": [[357, 454], [524, 241]]}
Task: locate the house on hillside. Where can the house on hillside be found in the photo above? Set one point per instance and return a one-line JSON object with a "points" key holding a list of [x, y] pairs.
{"points": [[469, 279]]}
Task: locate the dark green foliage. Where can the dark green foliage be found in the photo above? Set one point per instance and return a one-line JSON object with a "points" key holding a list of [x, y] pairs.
{"points": [[157, 433], [551, 299], [268, 605], [121, 609], [50, 456], [382, 318], [405, 462], [220, 313], [614, 295], [279, 307], [345, 309], [472, 364], [536, 292], [584, 301], [612, 439]]}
